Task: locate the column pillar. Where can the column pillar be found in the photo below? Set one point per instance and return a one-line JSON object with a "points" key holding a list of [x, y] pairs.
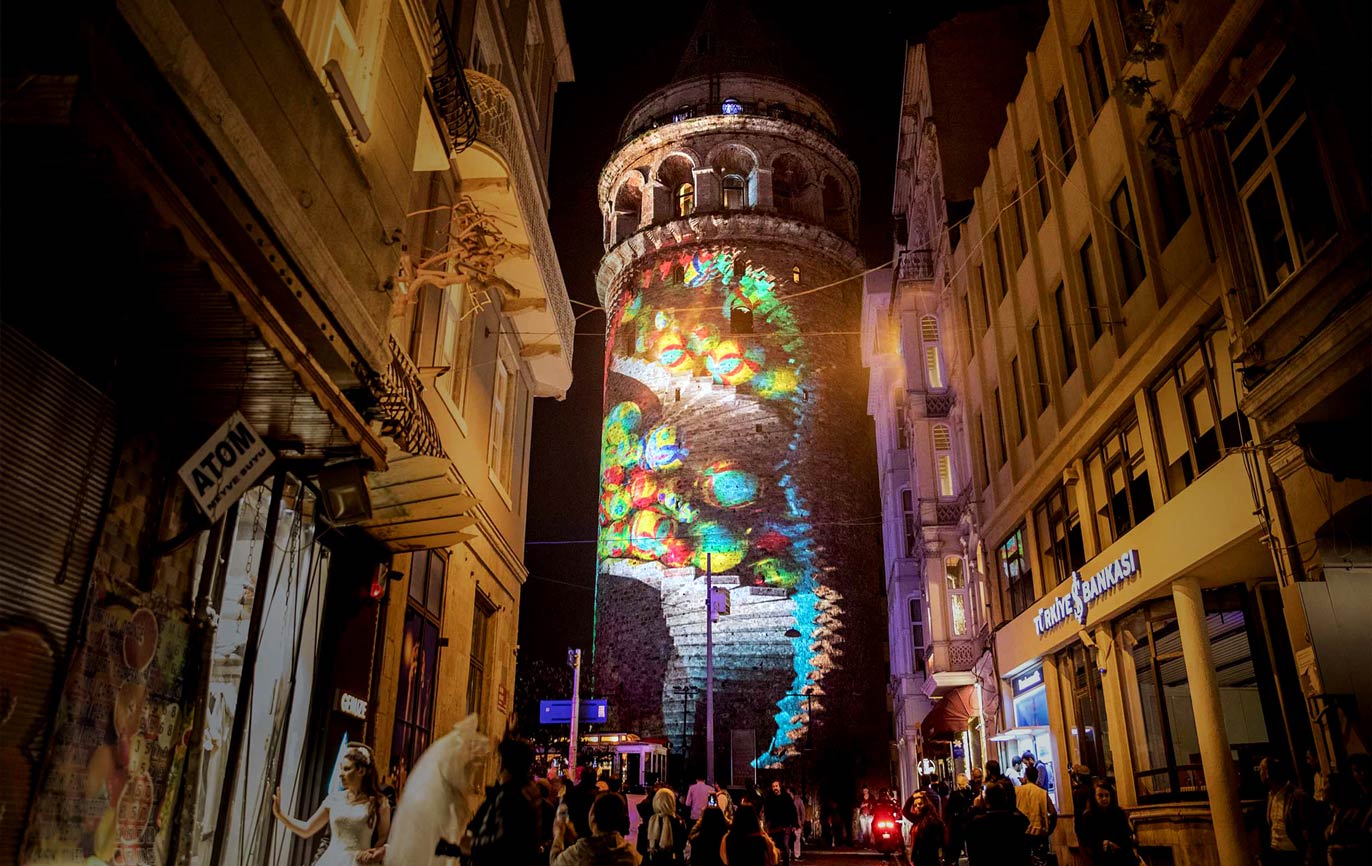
{"points": [[760, 189], [1117, 675], [707, 190], [1057, 726], [1221, 782]]}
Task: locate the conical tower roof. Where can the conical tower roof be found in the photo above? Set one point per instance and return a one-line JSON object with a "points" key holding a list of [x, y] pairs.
{"points": [[728, 38]]}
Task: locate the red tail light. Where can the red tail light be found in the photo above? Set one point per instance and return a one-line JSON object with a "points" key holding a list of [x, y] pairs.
{"points": [[886, 825]]}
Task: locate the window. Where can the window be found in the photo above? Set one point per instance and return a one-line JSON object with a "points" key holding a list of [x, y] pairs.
{"points": [[979, 286], [1058, 527], [943, 461], [967, 311], [985, 462], [1088, 285], [907, 513], [1040, 181], [1015, 380], [457, 320], [1097, 89], [1016, 578], [1167, 763], [685, 199], [482, 615], [1278, 174], [1021, 238], [917, 633], [956, 582], [1069, 350], [500, 449], [1089, 742], [902, 433], [1067, 143], [415, 691], [734, 195], [933, 358], [1196, 408], [1036, 342], [1000, 427], [1118, 475], [730, 106], [1169, 184], [740, 320], [1003, 284], [1127, 239]]}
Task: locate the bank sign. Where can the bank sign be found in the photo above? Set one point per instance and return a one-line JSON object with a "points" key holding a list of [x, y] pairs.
{"points": [[222, 469], [1082, 593]]}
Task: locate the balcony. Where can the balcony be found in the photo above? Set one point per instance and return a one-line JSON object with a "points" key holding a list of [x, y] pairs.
{"points": [[915, 266], [499, 175], [949, 664], [735, 108], [404, 416], [938, 405], [944, 512], [452, 96]]}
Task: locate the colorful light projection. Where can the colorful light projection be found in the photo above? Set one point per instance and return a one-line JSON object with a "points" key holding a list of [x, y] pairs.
{"points": [[692, 463]]}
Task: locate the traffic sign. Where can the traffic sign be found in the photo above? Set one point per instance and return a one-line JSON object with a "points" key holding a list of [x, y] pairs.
{"points": [[593, 712]]}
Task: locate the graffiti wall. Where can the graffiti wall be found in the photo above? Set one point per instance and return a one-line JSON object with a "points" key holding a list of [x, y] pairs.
{"points": [[718, 434]]}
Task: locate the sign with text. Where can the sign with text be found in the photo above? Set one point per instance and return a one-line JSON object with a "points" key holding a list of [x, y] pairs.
{"points": [[352, 705], [1073, 603], [225, 467], [593, 712], [1030, 679]]}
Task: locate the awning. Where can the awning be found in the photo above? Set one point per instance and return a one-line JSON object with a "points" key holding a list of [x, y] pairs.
{"points": [[418, 503], [949, 717]]}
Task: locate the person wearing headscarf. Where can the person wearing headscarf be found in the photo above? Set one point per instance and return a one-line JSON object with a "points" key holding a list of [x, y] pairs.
{"points": [[604, 845], [666, 831]]}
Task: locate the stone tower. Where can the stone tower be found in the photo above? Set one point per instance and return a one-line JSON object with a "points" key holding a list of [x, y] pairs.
{"points": [[733, 401]]}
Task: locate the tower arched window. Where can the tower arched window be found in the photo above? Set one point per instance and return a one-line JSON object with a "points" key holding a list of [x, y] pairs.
{"points": [[735, 196], [943, 460], [933, 355], [685, 199]]}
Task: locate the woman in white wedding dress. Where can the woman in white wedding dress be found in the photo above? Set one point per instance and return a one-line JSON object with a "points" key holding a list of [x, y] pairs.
{"points": [[353, 814]]}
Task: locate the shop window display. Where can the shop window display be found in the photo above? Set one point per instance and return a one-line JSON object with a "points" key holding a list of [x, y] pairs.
{"points": [[1158, 697]]}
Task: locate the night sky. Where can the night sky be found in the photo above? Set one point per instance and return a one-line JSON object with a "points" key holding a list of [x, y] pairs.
{"points": [[620, 53]]}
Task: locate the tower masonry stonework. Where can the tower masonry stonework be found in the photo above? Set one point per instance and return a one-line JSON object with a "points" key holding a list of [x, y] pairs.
{"points": [[733, 410]]}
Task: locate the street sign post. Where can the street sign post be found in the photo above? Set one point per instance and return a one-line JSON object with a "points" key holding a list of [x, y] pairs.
{"points": [[593, 712]]}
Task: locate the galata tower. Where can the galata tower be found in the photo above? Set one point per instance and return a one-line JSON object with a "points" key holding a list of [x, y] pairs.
{"points": [[733, 404]]}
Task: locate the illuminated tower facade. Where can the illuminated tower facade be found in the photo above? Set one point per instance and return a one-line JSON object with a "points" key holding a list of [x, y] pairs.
{"points": [[733, 402]]}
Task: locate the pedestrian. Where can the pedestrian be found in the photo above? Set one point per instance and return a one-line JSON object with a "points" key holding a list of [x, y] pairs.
{"points": [[603, 845], [993, 771], [745, 844], [996, 837], [1035, 804], [926, 831], [1348, 838], [1016, 771], [666, 832], [779, 809], [958, 814], [698, 797], [358, 817], [645, 813], [1045, 777], [707, 837], [1286, 824], [864, 816], [725, 802], [578, 799], [505, 829], [800, 825], [1081, 788], [546, 805], [1104, 829]]}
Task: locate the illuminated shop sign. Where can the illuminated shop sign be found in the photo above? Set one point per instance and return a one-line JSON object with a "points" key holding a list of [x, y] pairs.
{"points": [[352, 705], [1029, 680], [1081, 593]]}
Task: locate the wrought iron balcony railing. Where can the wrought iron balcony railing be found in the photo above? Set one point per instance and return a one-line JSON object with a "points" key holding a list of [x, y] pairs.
{"points": [[404, 417], [452, 95], [915, 265], [732, 107], [945, 512], [938, 405]]}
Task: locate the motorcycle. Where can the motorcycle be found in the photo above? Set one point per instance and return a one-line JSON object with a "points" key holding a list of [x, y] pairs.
{"points": [[886, 835]]}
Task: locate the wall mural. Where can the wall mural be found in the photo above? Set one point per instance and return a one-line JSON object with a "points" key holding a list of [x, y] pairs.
{"points": [[707, 398]]}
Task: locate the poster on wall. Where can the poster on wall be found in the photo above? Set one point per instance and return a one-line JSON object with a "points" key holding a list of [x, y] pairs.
{"points": [[119, 748]]}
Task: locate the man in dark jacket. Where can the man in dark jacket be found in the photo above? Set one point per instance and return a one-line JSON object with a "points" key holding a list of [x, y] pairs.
{"points": [[505, 828], [578, 799], [779, 810]]}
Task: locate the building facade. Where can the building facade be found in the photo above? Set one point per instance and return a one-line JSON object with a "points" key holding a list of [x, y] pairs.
{"points": [[1120, 304], [729, 214], [265, 474]]}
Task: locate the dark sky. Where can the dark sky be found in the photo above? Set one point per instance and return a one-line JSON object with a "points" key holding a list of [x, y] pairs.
{"points": [[853, 62]]}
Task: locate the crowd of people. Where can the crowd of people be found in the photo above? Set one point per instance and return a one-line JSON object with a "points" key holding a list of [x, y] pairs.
{"points": [[991, 817]]}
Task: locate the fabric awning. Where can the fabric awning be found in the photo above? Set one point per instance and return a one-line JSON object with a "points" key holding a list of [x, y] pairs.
{"points": [[949, 717]]}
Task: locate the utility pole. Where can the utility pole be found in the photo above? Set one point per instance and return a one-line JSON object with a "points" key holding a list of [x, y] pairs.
{"points": [[574, 660], [685, 692], [709, 674]]}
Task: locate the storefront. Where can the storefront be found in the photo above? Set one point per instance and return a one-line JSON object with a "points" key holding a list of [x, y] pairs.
{"points": [[1153, 666]]}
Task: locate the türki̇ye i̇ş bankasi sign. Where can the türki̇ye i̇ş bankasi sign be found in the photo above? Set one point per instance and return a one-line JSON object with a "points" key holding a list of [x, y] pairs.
{"points": [[222, 469], [1081, 593]]}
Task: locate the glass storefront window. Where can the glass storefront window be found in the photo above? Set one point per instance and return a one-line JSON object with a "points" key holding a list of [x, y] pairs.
{"points": [[1167, 762], [1089, 739], [414, 704], [278, 705]]}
